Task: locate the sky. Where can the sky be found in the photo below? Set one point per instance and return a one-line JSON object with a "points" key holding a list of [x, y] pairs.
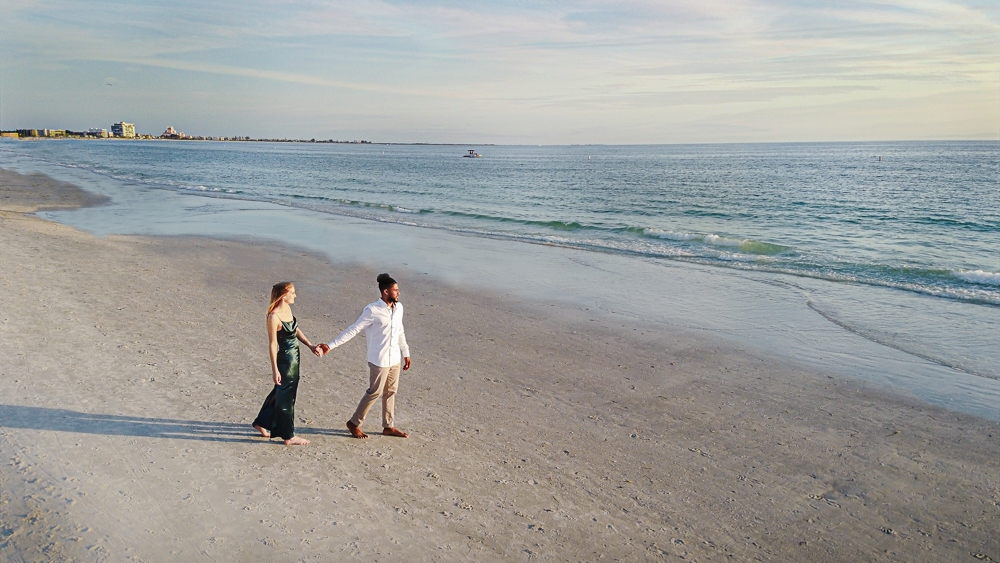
{"points": [[511, 72]]}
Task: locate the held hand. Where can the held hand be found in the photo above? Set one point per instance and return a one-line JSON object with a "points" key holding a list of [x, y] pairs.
{"points": [[406, 364], [321, 350]]}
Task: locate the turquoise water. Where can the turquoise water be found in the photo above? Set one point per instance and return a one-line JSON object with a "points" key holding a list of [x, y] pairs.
{"points": [[895, 243], [919, 217]]}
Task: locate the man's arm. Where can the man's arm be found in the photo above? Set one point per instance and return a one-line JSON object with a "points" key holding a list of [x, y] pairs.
{"points": [[404, 349], [366, 318]]}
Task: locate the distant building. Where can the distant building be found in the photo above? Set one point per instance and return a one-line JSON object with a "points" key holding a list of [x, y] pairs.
{"points": [[27, 132], [122, 129], [9, 134], [171, 133], [94, 132]]}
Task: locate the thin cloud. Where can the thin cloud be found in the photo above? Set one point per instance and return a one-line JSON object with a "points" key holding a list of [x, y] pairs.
{"points": [[581, 56], [285, 77]]}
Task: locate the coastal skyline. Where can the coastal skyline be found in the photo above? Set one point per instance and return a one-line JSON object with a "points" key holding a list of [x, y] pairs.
{"points": [[449, 72]]}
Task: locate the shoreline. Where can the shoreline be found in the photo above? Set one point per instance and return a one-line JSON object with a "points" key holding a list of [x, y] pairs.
{"points": [[535, 431], [937, 349], [30, 193]]}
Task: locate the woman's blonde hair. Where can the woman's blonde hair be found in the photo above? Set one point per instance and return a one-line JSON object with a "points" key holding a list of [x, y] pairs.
{"points": [[278, 291]]}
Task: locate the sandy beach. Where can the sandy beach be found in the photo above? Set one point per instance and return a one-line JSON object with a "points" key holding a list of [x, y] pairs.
{"points": [[133, 367]]}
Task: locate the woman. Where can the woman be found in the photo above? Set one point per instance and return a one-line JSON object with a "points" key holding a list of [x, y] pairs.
{"points": [[277, 415]]}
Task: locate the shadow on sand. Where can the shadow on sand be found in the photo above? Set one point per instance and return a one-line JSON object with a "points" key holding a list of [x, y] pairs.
{"points": [[63, 420]]}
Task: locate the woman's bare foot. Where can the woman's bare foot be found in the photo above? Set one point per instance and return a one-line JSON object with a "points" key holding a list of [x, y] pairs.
{"points": [[296, 441], [355, 431], [263, 431]]}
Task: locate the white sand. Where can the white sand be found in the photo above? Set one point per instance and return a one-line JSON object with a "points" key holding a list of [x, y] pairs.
{"points": [[133, 367]]}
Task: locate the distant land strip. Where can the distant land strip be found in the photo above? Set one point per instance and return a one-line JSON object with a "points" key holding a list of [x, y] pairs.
{"points": [[170, 135]]}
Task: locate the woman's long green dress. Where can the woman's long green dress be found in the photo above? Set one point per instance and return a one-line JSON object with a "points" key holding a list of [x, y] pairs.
{"points": [[278, 412]]}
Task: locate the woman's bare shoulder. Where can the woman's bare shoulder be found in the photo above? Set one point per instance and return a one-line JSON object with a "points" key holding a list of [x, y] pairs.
{"points": [[274, 316]]}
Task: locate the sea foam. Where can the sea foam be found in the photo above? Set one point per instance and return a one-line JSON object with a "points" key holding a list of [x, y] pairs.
{"points": [[744, 244], [979, 276]]}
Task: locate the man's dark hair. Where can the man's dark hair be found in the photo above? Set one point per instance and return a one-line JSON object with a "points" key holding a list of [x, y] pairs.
{"points": [[385, 281]]}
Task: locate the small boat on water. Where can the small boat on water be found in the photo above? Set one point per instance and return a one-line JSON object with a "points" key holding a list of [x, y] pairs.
{"points": [[472, 154]]}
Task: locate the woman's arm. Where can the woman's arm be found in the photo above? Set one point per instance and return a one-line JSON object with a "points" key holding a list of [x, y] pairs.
{"points": [[302, 338], [273, 323]]}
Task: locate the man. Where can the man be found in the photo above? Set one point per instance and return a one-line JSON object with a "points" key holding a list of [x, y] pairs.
{"points": [[382, 322]]}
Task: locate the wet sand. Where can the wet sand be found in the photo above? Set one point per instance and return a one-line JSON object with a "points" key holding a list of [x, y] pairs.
{"points": [[134, 366]]}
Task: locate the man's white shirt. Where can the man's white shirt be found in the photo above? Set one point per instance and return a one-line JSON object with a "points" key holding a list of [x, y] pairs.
{"points": [[383, 326]]}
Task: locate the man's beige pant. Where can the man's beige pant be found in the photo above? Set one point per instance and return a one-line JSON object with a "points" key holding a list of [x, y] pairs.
{"points": [[384, 382]]}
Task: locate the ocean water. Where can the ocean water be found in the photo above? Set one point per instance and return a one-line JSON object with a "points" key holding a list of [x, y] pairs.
{"points": [[888, 254]]}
